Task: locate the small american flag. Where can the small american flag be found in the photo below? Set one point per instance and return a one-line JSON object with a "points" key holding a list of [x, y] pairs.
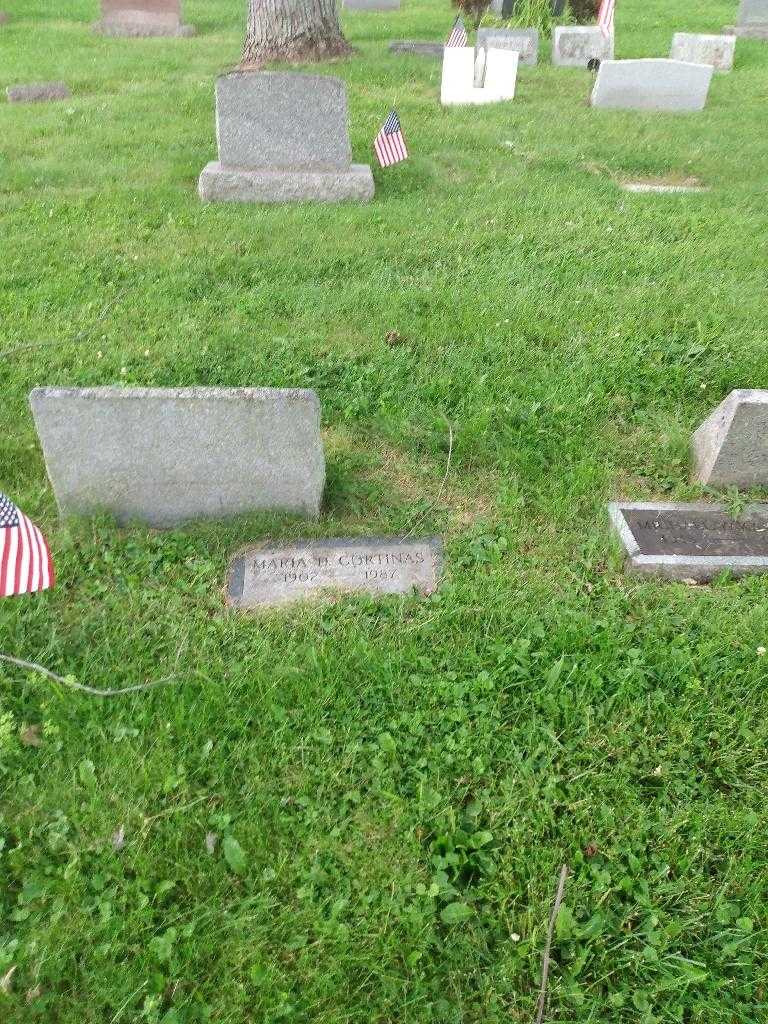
{"points": [[389, 144], [458, 36], [25, 558], [605, 17]]}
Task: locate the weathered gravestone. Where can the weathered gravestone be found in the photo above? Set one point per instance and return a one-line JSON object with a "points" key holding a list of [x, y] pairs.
{"points": [[417, 49], [574, 46], [462, 66], [752, 21], [166, 455], [4, 19], [730, 448], [372, 5], [524, 41], [699, 49], [138, 18], [283, 137], [652, 84], [277, 575], [38, 92], [691, 541]]}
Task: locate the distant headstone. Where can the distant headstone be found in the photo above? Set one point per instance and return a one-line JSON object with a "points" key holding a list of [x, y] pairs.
{"points": [[730, 448], [652, 84], [524, 41], [283, 137], [457, 87], [278, 575], [139, 18], [4, 19], [417, 49], [372, 5], [37, 92], [574, 46], [691, 542], [699, 49], [752, 20], [166, 455], [661, 187]]}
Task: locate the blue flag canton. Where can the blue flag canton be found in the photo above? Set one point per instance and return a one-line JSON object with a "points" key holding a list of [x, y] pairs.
{"points": [[9, 514]]}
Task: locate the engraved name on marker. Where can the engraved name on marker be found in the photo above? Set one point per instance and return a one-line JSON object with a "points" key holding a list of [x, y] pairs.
{"points": [[278, 575]]}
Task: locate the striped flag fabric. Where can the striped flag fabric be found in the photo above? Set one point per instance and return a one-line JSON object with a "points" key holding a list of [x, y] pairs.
{"points": [[605, 17], [389, 144], [458, 36], [25, 558]]}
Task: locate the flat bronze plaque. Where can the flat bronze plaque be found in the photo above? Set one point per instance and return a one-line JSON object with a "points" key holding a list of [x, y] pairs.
{"points": [[692, 541], [278, 575]]}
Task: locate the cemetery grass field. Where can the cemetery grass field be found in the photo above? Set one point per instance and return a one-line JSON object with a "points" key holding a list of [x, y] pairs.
{"points": [[393, 785]]}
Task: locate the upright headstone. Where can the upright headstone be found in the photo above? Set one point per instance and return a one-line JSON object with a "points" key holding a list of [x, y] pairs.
{"points": [[699, 49], [457, 86], [524, 41], [652, 84], [137, 18], [752, 20], [283, 137], [730, 448], [372, 5], [166, 455], [574, 46], [38, 92], [694, 542]]}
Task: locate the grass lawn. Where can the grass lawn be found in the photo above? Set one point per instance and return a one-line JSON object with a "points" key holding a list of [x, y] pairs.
{"points": [[393, 784]]}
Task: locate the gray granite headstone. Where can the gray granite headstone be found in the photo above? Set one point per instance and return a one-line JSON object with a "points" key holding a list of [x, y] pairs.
{"points": [[701, 49], [272, 575], [38, 92], [652, 84], [524, 41], [138, 18], [752, 20], [417, 49], [691, 541], [283, 136], [166, 455], [730, 448], [573, 46]]}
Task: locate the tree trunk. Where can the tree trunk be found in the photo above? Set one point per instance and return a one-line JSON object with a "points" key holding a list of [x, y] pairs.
{"points": [[295, 31]]}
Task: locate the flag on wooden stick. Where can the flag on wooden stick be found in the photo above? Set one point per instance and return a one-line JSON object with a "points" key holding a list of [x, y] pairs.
{"points": [[458, 36], [605, 17], [389, 144], [25, 558]]}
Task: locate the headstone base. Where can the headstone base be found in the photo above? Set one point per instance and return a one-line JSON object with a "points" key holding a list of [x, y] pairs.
{"points": [[238, 185], [140, 28], [747, 31]]}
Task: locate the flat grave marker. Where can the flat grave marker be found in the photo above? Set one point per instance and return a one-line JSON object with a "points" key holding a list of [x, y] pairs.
{"points": [[372, 5], [730, 448], [694, 541], [38, 92], [142, 18], [274, 575], [417, 49], [166, 456]]}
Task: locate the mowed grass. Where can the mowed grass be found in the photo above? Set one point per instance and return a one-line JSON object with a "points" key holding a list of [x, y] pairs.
{"points": [[393, 784]]}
